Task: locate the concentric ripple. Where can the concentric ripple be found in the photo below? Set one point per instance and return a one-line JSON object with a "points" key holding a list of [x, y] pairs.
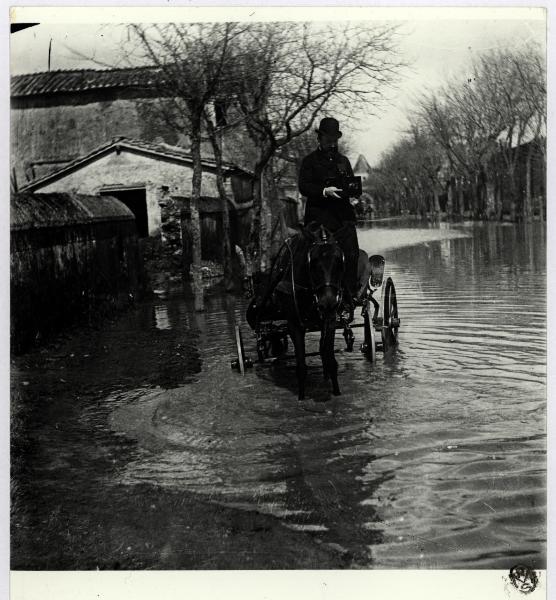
{"points": [[432, 457]]}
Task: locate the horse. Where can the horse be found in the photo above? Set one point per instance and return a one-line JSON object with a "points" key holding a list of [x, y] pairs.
{"points": [[309, 296]]}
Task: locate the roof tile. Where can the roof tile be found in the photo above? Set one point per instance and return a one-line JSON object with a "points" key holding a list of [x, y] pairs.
{"points": [[52, 82], [165, 150]]}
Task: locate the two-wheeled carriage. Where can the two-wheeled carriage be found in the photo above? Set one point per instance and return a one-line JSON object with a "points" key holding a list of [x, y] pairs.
{"points": [[376, 304]]}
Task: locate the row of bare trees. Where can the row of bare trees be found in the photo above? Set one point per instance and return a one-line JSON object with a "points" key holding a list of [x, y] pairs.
{"points": [[477, 137], [274, 81]]}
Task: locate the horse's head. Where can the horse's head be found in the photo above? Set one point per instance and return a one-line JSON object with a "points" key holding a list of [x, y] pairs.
{"points": [[326, 272]]}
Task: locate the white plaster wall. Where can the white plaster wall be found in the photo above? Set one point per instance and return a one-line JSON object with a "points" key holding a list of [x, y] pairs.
{"points": [[134, 170]]}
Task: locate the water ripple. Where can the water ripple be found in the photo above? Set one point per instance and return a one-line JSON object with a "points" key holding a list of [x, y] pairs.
{"points": [[432, 457]]}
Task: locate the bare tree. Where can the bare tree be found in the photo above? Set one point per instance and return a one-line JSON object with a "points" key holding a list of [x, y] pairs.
{"points": [[410, 175], [293, 75], [190, 59], [486, 119], [216, 143], [455, 119], [513, 90]]}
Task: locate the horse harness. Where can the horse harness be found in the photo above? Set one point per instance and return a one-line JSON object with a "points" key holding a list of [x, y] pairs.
{"points": [[339, 288]]}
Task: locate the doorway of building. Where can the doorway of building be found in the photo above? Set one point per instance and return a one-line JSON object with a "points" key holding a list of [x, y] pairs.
{"points": [[136, 201]]}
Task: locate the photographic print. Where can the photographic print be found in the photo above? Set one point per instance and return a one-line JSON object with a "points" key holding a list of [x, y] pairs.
{"points": [[278, 290]]}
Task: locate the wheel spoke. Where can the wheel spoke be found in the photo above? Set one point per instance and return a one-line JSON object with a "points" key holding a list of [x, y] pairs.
{"points": [[390, 330]]}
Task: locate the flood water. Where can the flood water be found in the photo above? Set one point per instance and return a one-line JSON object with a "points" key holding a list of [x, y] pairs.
{"points": [[433, 457]]}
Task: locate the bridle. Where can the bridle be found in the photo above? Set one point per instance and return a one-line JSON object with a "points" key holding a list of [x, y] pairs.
{"points": [[337, 287], [315, 288]]}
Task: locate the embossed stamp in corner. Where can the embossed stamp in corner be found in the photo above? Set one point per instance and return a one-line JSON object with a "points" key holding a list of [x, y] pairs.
{"points": [[524, 578]]}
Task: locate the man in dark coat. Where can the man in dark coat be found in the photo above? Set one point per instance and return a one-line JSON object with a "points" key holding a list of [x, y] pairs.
{"points": [[327, 204]]}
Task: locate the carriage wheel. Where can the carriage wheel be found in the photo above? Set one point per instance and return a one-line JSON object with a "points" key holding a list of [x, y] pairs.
{"points": [[391, 320], [369, 343], [240, 362]]}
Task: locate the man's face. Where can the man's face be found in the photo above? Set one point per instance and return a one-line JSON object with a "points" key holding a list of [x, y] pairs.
{"points": [[327, 142]]}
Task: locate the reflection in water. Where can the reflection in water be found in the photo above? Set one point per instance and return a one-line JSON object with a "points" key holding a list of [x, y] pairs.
{"points": [[161, 317], [432, 457]]}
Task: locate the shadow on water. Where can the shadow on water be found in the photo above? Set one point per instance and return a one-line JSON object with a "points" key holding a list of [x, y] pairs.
{"points": [[434, 456]]}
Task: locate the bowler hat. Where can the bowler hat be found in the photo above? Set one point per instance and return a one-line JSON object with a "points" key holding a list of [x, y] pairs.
{"points": [[330, 126]]}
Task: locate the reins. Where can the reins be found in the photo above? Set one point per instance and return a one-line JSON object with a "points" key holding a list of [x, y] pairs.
{"points": [[287, 242], [338, 288]]}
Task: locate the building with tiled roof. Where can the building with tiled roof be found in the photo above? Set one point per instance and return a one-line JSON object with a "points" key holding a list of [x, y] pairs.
{"points": [[82, 80], [106, 131], [59, 116], [160, 151], [146, 176]]}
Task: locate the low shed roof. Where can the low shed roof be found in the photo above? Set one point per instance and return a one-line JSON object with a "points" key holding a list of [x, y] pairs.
{"points": [[31, 211]]}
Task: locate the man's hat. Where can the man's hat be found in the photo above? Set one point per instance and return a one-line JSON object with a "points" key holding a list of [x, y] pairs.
{"points": [[330, 126]]}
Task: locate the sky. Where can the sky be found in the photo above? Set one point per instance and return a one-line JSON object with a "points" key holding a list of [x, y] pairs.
{"points": [[436, 50]]}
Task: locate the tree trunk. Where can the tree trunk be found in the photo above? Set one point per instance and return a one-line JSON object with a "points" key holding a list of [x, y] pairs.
{"points": [[450, 198], [277, 217], [527, 204], [265, 224], [461, 204], [513, 196], [253, 248], [196, 273], [259, 243], [475, 198], [216, 143], [490, 208], [478, 200], [498, 207], [436, 203]]}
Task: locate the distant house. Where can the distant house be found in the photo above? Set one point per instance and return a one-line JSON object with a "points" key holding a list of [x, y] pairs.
{"points": [[362, 168]]}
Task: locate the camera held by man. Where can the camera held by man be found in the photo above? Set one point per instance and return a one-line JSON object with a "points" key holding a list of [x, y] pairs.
{"points": [[346, 186]]}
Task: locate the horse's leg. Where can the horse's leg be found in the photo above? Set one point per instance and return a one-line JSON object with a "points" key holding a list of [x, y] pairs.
{"points": [[297, 334], [329, 363]]}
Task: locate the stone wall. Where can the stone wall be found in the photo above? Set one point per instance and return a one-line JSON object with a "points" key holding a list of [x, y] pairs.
{"points": [[175, 230], [73, 258], [47, 134], [51, 130], [129, 169]]}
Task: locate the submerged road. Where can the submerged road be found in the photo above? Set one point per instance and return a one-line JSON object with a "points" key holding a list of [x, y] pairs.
{"points": [[138, 447]]}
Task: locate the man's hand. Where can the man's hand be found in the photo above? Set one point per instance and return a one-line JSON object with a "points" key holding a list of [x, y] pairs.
{"points": [[330, 192]]}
